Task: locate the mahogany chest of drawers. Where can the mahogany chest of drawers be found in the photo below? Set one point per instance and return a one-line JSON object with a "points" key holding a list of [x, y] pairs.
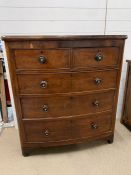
{"points": [[65, 87]]}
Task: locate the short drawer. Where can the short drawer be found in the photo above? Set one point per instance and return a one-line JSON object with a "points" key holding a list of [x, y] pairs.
{"points": [[47, 83], [89, 126], [95, 57], [42, 59], [47, 131], [60, 106]]}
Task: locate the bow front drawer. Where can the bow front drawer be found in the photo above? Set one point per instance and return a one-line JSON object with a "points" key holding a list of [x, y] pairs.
{"points": [[42, 59], [49, 83], [65, 129], [60, 106]]}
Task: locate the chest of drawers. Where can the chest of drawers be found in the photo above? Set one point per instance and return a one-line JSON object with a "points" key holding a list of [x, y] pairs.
{"points": [[65, 87]]}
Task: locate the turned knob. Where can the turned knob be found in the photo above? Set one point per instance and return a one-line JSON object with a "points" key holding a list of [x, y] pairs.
{"points": [[98, 57], [43, 84], [94, 126], [45, 108], [98, 81], [96, 103], [46, 132], [42, 59]]}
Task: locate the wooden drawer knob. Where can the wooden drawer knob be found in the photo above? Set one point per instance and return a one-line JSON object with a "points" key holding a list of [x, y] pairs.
{"points": [[46, 132], [45, 108], [42, 59], [98, 57], [43, 84], [98, 81], [94, 126], [96, 103]]}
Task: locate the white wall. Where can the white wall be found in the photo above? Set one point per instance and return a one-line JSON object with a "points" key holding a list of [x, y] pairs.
{"points": [[52, 16], [43, 17], [119, 22]]}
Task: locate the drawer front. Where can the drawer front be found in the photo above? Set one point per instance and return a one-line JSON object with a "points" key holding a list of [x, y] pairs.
{"points": [[44, 107], [95, 57], [71, 128], [97, 80], [42, 59], [92, 103], [46, 131], [59, 106], [66, 82], [91, 126], [44, 83]]}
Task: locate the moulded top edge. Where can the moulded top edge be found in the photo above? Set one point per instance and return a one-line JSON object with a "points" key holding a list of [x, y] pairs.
{"points": [[60, 37]]}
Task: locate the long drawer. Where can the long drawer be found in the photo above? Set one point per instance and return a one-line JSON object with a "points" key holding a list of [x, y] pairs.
{"points": [[60, 106], [57, 130], [66, 82], [94, 57], [42, 59]]}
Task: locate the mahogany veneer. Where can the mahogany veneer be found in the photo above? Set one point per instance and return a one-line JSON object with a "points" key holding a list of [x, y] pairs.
{"points": [[65, 87]]}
